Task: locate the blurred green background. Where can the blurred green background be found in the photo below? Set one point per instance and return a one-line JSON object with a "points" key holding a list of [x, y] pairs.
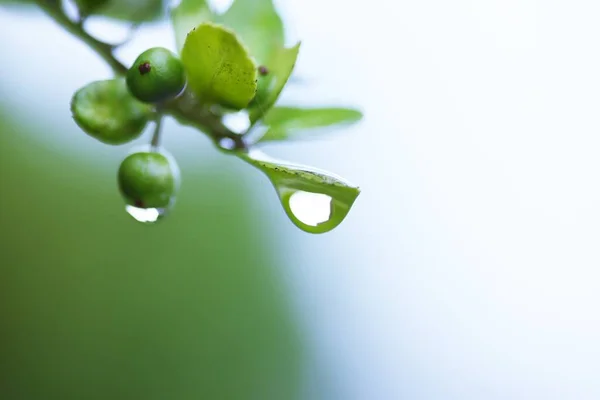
{"points": [[94, 305]]}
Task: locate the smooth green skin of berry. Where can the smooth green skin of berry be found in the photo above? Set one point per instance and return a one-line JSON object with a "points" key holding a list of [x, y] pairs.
{"points": [[107, 111], [157, 75], [148, 180]]}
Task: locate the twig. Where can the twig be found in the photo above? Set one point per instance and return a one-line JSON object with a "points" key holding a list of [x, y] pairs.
{"points": [[155, 143], [104, 50], [187, 111]]}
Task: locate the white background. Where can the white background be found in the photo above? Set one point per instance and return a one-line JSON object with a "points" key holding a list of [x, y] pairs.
{"points": [[468, 268]]}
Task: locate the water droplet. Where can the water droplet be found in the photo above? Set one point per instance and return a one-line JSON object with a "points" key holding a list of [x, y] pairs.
{"points": [[227, 143], [316, 201], [313, 212], [145, 215], [237, 122]]}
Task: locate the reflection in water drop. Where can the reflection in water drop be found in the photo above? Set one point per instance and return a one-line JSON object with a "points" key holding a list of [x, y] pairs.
{"points": [[310, 208], [146, 215]]}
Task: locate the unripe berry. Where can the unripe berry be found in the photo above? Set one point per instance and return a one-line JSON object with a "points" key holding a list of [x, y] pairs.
{"points": [[107, 111], [157, 75], [148, 179]]}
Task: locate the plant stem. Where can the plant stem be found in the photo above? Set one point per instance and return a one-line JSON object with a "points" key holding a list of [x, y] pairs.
{"points": [[104, 50], [187, 111], [155, 143]]}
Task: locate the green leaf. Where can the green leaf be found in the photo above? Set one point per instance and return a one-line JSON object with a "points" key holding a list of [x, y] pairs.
{"points": [[288, 122], [89, 7], [128, 10], [258, 25], [316, 201], [16, 2], [280, 69], [218, 67], [188, 15], [260, 28]]}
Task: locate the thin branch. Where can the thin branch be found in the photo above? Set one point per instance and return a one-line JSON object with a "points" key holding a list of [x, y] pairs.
{"points": [[155, 143], [186, 110], [104, 50]]}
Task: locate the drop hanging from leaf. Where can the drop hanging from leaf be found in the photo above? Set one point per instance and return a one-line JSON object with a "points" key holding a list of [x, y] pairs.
{"points": [[316, 201]]}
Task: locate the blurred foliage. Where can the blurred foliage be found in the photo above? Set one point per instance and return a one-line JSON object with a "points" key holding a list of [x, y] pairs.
{"points": [[129, 10], [135, 11], [258, 25], [96, 306], [294, 123]]}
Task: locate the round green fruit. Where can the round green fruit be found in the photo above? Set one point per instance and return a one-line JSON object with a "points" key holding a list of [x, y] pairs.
{"points": [[107, 111], [148, 179], [157, 75]]}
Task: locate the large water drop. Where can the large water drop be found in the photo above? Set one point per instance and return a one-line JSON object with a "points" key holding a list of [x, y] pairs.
{"points": [[316, 201], [313, 212]]}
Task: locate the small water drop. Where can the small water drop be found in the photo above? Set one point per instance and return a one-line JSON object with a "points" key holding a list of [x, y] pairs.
{"points": [[145, 215], [227, 143]]}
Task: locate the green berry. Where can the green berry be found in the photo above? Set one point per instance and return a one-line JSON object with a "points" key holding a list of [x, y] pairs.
{"points": [[107, 111], [156, 75], [148, 179]]}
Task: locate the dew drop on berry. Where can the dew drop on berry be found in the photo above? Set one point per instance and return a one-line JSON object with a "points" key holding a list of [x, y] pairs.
{"points": [[146, 215]]}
